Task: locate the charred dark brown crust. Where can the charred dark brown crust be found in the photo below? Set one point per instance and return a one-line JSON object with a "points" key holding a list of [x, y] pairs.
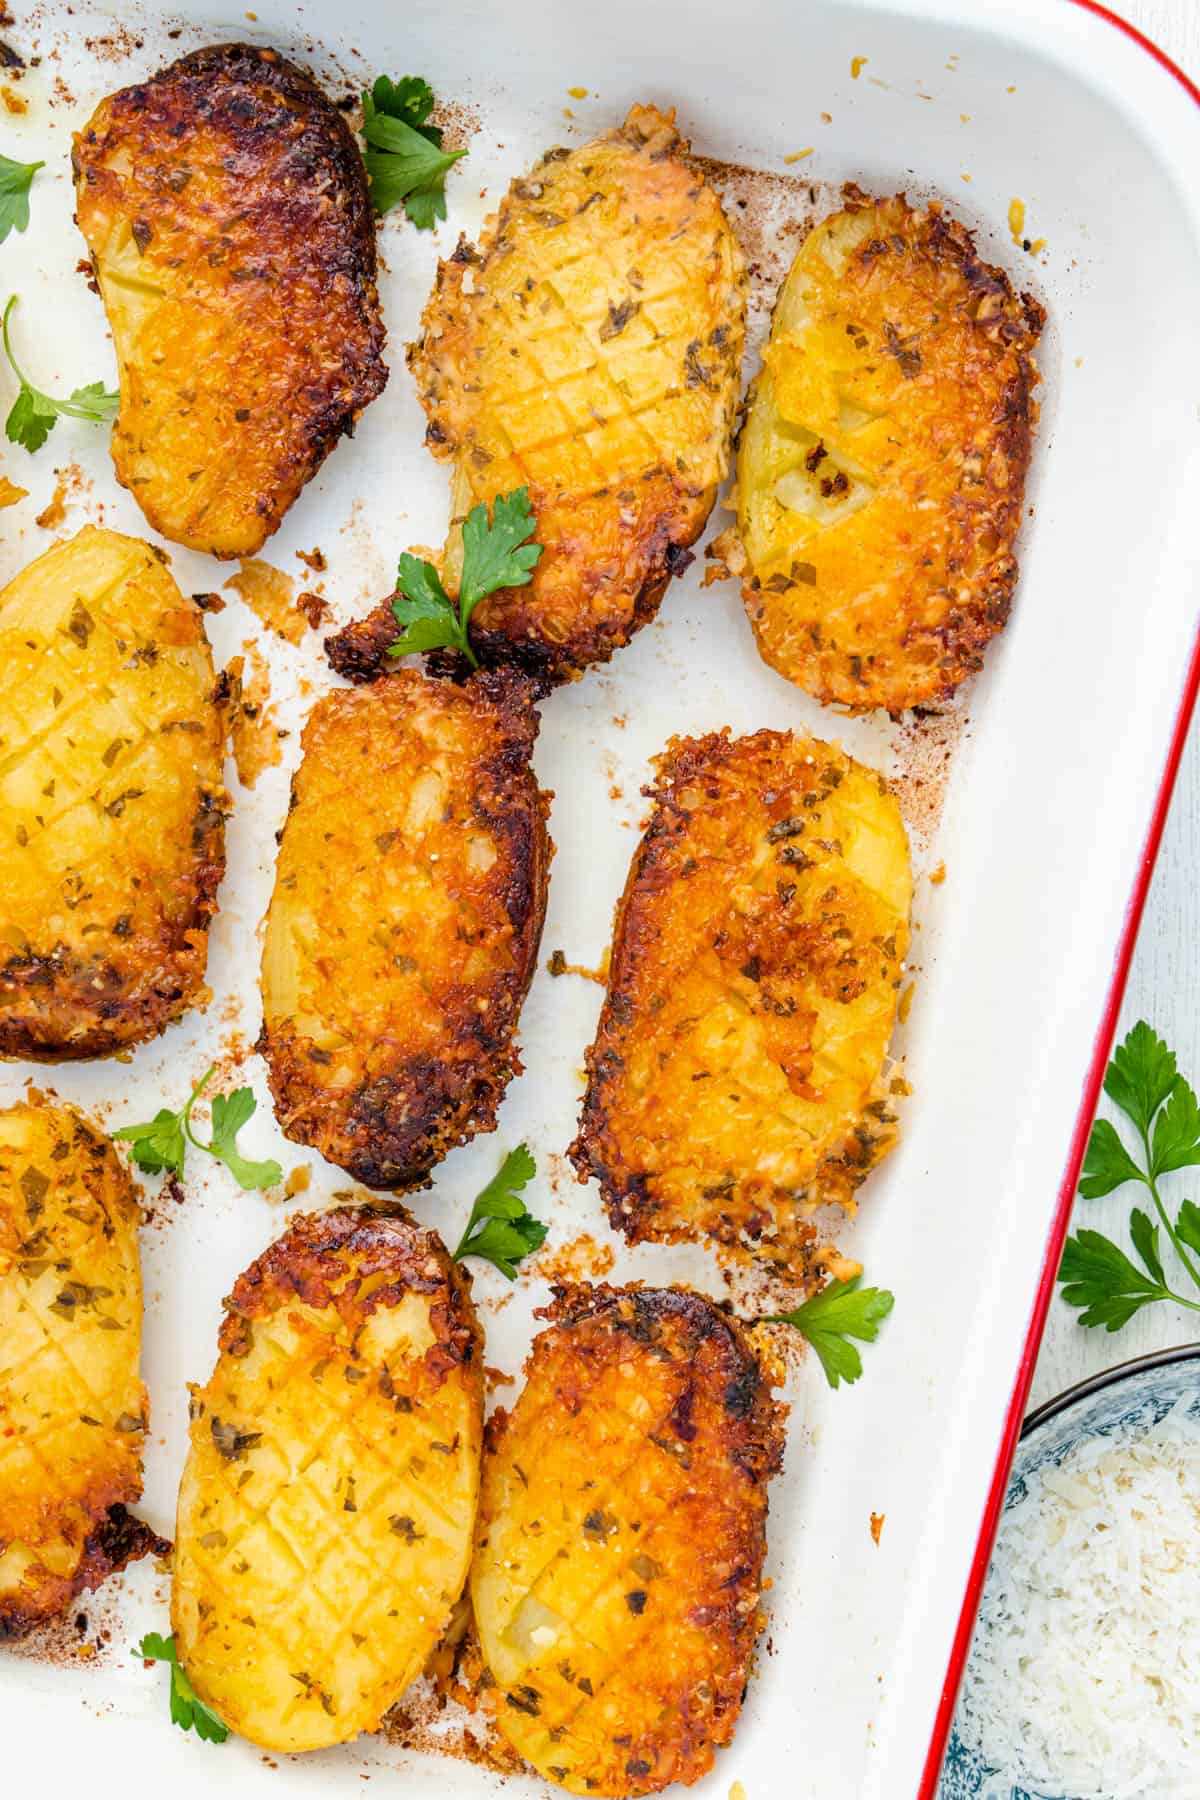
{"points": [[304, 238], [327, 1258], [56, 1006], [118, 1540], [401, 1114]]}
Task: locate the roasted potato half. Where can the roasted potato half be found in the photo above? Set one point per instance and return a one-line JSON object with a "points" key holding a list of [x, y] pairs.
{"points": [[327, 1506], [224, 203], [622, 1529], [881, 469], [404, 927], [112, 807], [738, 1073], [590, 351], [73, 1410]]}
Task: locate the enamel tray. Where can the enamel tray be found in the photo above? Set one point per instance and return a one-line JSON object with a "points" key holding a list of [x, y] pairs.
{"points": [[1046, 815]]}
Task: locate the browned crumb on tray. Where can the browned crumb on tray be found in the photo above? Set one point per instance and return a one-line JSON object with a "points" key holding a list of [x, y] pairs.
{"points": [[253, 725], [69, 484], [271, 597], [10, 493], [557, 964], [583, 1259]]}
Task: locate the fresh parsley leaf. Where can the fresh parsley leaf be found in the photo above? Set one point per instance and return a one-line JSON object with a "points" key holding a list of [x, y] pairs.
{"points": [[188, 1711], [410, 99], [499, 1229], [495, 555], [1107, 1164], [158, 1145], [1144, 1233], [15, 181], [229, 1113], [1187, 1225], [1141, 1075], [841, 1311], [1176, 1140], [162, 1143], [1095, 1275], [1100, 1278], [33, 415], [404, 156]]}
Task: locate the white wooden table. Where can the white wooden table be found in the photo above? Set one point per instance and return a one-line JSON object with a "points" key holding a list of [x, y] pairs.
{"points": [[1164, 982]]}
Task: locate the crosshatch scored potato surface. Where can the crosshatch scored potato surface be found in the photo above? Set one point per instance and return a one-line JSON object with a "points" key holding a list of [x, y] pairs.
{"points": [[593, 355], [72, 1404], [111, 799], [326, 1510]]}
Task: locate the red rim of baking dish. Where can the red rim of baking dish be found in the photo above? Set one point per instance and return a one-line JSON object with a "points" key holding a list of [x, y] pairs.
{"points": [[1101, 1046]]}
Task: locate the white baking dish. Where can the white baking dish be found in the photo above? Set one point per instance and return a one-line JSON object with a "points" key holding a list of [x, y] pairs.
{"points": [[1050, 822]]}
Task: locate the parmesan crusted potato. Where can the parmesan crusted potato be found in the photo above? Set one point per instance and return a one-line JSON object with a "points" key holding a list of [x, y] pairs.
{"points": [[622, 1528], [737, 1076], [224, 203], [590, 350], [73, 1410], [326, 1509], [881, 470], [405, 922], [112, 807]]}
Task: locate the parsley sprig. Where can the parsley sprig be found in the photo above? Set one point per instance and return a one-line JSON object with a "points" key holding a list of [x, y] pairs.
{"points": [[1143, 1082], [162, 1142], [829, 1321], [404, 156], [499, 1228], [496, 554], [16, 179], [34, 415], [188, 1711]]}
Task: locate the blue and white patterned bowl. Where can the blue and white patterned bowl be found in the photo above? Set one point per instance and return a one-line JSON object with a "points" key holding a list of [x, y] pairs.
{"points": [[1136, 1394]]}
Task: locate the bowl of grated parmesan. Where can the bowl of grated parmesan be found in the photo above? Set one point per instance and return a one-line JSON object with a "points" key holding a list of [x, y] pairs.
{"points": [[1084, 1676]]}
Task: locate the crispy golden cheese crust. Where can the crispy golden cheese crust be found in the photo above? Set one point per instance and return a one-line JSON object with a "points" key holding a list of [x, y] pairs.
{"points": [[73, 1410], [327, 1506], [404, 927], [112, 804], [224, 203], [617, 1574], [881, 469], [737, 1078], [590, 351]]}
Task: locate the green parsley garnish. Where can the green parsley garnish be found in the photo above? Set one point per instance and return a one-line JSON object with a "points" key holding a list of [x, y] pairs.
{"points": [[499, 1228], [1095, 1275], [831, 1318], [495, 555], [187, 1710], [162, 1143], [15, 181], [404, 156], [34, 414]]}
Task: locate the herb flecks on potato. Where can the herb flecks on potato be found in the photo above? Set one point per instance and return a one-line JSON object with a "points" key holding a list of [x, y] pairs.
{"points": [[224, 203], [73, 1410], [737, 1077], [881, 469], [405, 921], [622, 1528], [112, 807], [327, 1506], [590, 352]]}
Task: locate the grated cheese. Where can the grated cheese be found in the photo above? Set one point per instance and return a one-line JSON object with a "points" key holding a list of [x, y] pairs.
{"points": [[1084, 1678]]}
